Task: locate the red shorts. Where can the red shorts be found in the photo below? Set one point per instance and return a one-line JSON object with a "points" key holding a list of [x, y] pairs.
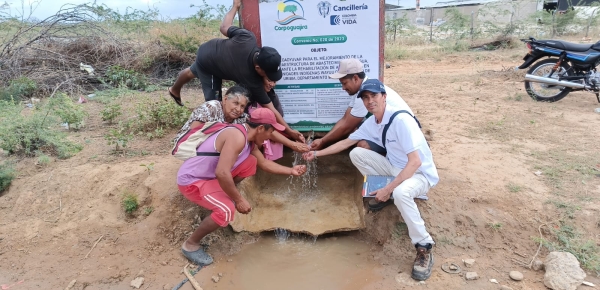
{"points": [[209, 194]]}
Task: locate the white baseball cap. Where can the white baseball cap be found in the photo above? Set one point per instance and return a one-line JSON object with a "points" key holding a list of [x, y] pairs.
{"points": [[348, 66]]}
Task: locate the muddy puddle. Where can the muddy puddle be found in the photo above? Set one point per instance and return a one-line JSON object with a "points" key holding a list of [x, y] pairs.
{"points": [[300, 262]]}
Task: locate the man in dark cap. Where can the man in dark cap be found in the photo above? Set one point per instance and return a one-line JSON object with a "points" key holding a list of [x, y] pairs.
{"points": [[236, 58]]}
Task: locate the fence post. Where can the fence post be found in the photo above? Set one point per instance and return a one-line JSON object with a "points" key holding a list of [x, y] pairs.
{"points": [[553, 24], [431, 26], [471, 25], [587, 29]]}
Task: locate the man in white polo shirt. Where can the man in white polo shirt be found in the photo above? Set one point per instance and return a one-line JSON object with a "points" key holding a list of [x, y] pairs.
{"points": [[351, 75], [408, 158]]}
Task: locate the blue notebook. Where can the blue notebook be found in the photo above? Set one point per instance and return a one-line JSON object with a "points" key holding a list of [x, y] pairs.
{"points": [[375, 182]]}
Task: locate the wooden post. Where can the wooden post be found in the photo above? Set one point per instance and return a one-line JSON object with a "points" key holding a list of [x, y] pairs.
{"points": [[431, 26], [471, 25]]}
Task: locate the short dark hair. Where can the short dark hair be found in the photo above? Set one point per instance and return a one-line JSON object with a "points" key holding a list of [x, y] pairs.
{"points": [[361, 75], [255, 125]]}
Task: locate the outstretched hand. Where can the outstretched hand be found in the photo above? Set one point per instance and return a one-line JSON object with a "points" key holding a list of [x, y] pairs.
{"points": [[298, 170], [316, 144], [309, 156], [300, 147], [237, 3], [298, 136]]}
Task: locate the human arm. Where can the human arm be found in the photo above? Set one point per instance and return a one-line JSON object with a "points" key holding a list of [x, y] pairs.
{"points": [[414, 162], [272, 167], [341, 129], [231, 143], [296, 146], [294, 133], [228, 19], [335, 148]]}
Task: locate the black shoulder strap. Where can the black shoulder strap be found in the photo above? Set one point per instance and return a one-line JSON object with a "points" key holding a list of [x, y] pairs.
{"points": [[208, 154], [387, 126]]}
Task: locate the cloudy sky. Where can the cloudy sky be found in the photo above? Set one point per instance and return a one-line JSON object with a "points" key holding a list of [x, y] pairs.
{"points": [[167, 8]]}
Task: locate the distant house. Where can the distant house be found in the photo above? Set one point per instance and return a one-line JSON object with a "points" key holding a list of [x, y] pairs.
{"points": [[564, 5], [498, 11]]}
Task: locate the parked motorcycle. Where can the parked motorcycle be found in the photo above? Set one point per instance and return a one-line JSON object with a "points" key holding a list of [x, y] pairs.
{"points": [[570, 67]]}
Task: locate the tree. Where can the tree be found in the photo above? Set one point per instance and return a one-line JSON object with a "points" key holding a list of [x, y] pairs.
{"points": [[291, 8]]}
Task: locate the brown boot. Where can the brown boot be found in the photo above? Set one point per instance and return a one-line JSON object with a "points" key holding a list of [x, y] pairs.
{"points": [[423, 262]]}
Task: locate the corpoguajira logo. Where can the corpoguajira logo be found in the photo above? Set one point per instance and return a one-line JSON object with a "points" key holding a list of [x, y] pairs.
{"points": [[285, 8]]}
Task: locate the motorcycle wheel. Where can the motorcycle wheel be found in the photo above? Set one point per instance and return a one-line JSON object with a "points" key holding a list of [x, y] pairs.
{"points": [[546, 92]]}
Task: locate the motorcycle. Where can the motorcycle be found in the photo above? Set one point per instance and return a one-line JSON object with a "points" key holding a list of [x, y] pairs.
{"points": [[570, 67]]}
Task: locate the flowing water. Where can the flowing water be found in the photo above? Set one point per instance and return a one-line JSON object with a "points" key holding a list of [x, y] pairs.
{"points": [[309, 179], [301, 263]]}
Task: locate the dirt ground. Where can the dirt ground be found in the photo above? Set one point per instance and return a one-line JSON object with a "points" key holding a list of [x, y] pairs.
{"points": [[489, 140]]}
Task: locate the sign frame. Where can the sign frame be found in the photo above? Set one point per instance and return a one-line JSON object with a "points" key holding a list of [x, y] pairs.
{"points": [[249, 17]]}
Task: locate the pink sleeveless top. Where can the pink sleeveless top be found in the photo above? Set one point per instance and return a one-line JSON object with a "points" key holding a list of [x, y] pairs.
{"points": [[204, 167]]}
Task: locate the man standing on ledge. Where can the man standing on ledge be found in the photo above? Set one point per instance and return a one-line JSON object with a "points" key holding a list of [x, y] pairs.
{"points": [[236, 58], [408, 159]]}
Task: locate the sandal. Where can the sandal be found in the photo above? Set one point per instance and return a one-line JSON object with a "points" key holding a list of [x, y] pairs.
{"points": [[199, 257], [175, 98], [374, 205]]}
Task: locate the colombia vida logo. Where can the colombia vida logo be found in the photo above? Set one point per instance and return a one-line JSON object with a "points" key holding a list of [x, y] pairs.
{"points": [[289, 11]]}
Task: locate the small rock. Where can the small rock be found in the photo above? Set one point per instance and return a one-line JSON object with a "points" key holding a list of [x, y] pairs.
{"points": [[229, 260], [471, 276], [216, 279], [220, 274], [469, 262], [452, 267], [586, 283], [387, 65], [494, 281], [140, 273], [562, 271], [504, 287], [538, 173], [516, 275], [164, 263], [137, 282], [537, 265], [421, 283], [167, 287]]}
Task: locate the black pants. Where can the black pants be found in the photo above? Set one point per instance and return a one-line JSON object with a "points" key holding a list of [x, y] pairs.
{"points": [[211, 85]]}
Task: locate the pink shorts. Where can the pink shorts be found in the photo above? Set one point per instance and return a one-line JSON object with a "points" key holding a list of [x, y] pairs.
{"points": [[209, 194]]}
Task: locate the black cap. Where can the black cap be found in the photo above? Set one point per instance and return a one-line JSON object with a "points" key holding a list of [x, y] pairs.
{"points": [[269, 60]]}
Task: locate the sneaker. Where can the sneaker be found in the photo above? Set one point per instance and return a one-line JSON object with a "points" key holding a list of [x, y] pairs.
{"points": [[374, 205], [423, 263]]}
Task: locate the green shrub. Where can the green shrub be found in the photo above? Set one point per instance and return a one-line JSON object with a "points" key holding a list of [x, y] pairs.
{"points": [[155, 116], [18, 89], [118, 137], [111, 112], [36, 131], [120, 77], [43, 159], [7, 174], [68, 111], [130, 202], [182, 43]]}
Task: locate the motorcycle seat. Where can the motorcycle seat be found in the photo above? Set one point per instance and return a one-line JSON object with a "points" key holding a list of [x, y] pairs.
{"points": [[564, 45]]}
